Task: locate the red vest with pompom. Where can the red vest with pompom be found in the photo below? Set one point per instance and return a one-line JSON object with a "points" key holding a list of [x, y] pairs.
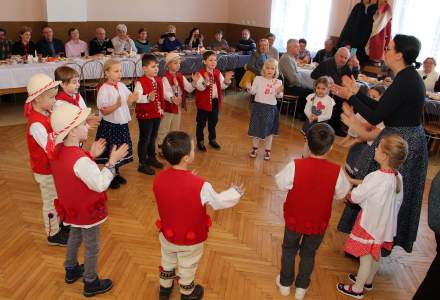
{"points": [[308, 206], [76, 204], [154, 109], [171, 107], [183, 218], [204, 98], [37, 155]]}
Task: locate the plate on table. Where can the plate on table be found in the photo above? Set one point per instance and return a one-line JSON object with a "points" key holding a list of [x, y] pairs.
{"points": [[433, 96], [308, 66]]}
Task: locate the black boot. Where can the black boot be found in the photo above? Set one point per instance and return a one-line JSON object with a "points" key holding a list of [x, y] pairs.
{"points": [[201, 146], [165, 293], [115, 184], [120, 179], [73, 274], [98, 286], [64, 228], [196, 294], [152, 161], [146, 169], [59, 239], [214, 144]]}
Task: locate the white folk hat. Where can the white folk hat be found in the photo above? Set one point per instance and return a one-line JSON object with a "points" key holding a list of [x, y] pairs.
{"points": [[170, 57], [38, 84], [65, 117]]}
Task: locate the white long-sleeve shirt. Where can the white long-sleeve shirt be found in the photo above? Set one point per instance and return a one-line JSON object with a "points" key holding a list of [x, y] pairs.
{"points": [[265, 90], [217, 201], [429, 79], [140, 90], [169, 92], [201, 85], [286, 178], [39, 133], [319, 106]]}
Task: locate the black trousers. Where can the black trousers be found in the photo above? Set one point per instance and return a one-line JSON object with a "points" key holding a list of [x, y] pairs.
{"points": [[428, 290], [148, 129], [211, 117]]}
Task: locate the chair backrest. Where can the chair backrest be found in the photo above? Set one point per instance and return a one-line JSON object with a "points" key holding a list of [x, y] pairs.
{"points": [[76, 67], [431, 116], [92, 70], [128, 68]]}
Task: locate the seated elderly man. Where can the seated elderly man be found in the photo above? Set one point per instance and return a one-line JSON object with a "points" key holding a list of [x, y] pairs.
{"points": [[49, 46], [121, 42], [246, 44], [337, 67], [100, 44], [293, 81], [326, 53]]}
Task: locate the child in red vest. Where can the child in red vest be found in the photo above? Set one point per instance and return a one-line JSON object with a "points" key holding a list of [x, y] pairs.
{"points": [[209, 83], [77, 177], [68, 93], [176, 89], [149, 112], [312, 183], [184, 223], [42, 90]]}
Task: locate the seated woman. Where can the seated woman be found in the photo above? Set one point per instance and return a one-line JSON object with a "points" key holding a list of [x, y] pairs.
{"points": [[122, 42], [256, 62], [218, 43], [195, 39], [142, 44], [304, 56], [75, 47], [428, 73], [24, 46]]}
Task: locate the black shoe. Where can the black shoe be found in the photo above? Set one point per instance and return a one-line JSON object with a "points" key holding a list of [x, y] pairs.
{"points": [[73, 274], [201, 146], [165, 293], [120, 179], [59, 239], [64, 228], [115, 184], [214, 144], [152, 161], [195, 295], [98, 286], [146, 169]]}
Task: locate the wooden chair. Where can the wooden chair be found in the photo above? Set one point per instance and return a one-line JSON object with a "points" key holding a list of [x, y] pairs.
{"points": [[129, 73], [431, 123], [92, 73]]}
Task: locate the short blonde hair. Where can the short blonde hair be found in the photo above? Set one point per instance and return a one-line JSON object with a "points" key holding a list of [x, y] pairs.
{"points": [[396, 148], [110, 63], [272, 62]]}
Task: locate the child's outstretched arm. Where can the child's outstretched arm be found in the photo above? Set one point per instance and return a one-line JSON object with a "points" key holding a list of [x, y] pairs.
{"points": [[222, 200], [285, 177], [343, 185]]}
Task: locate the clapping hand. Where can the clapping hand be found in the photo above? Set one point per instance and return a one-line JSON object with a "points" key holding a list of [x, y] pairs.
{"points": [[228, 76], [350, 83], [195, 77], [152, 96], [97, 148], [92, 121], [279, 89], [347, 109], [207, 79], [177, 100], [133, 97], [118, 153]]}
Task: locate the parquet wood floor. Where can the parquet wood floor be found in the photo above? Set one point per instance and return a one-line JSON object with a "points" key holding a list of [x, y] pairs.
{"points": [[242, 254]]}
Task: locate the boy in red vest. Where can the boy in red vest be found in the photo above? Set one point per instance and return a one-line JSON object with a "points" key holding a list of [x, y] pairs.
{"points": [[149, 111], [184, 223], [176, 89], [81, 185], [313, 183], [42, 90], [209, 83], [68, 93]]}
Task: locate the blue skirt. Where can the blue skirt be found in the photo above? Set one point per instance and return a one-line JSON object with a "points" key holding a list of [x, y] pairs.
{"points": [[265, 120], [114, 134]]}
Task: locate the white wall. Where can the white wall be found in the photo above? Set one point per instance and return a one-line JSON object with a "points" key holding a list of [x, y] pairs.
{"points": [[22, 10], [215, 11], [250, 12], [66, 10]]}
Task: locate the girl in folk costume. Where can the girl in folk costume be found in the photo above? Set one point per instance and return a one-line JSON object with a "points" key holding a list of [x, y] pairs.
{"points": [[176, 89], [380, 196], [77, 177], [381, 31], [209, 83], [264, 121], [41, 97], [149, 112], [113, 102]]}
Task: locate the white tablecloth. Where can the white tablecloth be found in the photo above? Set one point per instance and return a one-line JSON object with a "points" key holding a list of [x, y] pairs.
{"points": [[306, 79]]}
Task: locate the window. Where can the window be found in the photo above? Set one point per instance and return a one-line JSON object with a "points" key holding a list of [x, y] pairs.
{"points": [[297, 19], [421, 19]]}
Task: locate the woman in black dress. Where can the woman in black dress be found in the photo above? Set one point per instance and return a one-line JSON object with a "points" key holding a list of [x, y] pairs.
{"points": [[24, 46], [400, 108]]}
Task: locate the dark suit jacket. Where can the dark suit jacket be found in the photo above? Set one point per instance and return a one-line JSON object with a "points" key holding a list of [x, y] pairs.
{"points": [[328, 68], [43, 47], [96, 48]]}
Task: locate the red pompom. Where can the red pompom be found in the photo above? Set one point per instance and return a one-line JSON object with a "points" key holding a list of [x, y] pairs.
{"points": [[168, 233], [190, 236], [158, 224]]}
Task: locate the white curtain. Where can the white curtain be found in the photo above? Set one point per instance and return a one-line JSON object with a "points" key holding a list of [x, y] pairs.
{"points": [[297, 19], [421, 19]]}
